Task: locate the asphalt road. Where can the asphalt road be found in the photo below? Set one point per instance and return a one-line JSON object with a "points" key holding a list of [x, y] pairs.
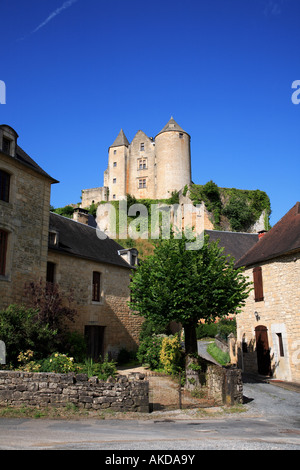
{"points": [[271, 422]]}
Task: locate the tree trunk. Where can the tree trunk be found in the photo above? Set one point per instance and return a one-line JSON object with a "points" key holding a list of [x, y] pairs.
{"points": [[190, 338]]}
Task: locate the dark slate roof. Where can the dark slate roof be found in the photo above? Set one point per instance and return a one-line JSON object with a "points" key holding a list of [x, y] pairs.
{"points": [[172, 126], [283, 238], [120, 140], [77, 239], [235, 244], [24, 158]]}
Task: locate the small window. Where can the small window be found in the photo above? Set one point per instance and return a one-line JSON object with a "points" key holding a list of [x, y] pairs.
{"points": [[96, 287], [53, 238], [3, 248], [50, 272], [115, 164], [142, 183], [258, 284], [142, 164], [114, 180], [280, 344], [114, 196], [115, 152], [142, 147], [6, 145], [4, 186], [180, 135]]}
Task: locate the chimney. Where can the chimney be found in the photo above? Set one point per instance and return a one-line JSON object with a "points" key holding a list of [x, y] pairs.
{"points": [[261, 234], [81, 215]]}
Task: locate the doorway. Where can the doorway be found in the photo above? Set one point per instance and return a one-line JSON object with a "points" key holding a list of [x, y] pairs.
{"points": [[262, 350], [94, 335]]}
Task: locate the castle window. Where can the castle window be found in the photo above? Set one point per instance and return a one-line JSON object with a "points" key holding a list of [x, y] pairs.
{"points": [[96, 287], [3, 248], [115, 152], [114, 180], [4, 186], [6, 144], [115, 163], [142, 164], [114, 196], [180, 135], [142, 183], [142, 147]]}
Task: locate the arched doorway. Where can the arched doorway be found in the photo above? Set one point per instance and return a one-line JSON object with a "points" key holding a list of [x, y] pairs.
{"points": [[262, 350]]}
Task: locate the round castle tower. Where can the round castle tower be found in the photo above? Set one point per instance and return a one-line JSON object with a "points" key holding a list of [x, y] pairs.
{"points": [[173, 159]]}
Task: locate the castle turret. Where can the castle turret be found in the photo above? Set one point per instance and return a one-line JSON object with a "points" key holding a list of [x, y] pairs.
{"points": [[117, 167], [173, 159]]}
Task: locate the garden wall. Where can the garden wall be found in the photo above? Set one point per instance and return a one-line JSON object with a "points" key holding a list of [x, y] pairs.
{"points": [[125, 393], [224, 385]]}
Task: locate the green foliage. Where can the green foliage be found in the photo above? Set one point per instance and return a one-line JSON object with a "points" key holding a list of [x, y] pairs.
{"points": [[75, 345], [58, 363], [149, 328], [220, 356], [223, 328], [176, 284], [21, 330], [66, 211], [206, 330], [149, 351], [171, 355], [102, 369], [241, 207]]}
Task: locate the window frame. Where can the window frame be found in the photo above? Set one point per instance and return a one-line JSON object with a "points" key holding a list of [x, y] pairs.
{"points": [[51, 268], [142, 183]]}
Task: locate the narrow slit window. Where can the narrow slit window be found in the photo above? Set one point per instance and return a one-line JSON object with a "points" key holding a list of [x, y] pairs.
{"points": [[4, 186], [96, 286], [50, 272], [3, 248], [280, 344]]}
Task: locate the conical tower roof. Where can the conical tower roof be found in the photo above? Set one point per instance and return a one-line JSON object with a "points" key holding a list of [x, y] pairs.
{"points": [[120, 140], [172, 126]]}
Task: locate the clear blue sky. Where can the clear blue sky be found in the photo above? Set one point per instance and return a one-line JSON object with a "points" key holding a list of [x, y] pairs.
{"points": [[78, 71]]}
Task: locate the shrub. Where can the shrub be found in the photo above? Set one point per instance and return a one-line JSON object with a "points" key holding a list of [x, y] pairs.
{"points": [[206, 330], [58, 363], [171, 354], [21, 330], [149, 351], [226, 326], [102, 370]]}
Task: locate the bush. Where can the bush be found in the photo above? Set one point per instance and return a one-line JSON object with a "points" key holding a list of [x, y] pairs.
{"points": [[226, 326], [21, 330], [102, 369], [149, 328], [58, 363], [149, 351], [171, 354], [206, 330]]}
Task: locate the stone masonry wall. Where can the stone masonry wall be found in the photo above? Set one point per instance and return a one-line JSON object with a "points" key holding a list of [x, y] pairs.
{"points": [[225, 385], [49, 389]]}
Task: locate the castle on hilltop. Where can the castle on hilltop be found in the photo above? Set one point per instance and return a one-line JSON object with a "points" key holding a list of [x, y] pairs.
{"points": [[146, 168]]}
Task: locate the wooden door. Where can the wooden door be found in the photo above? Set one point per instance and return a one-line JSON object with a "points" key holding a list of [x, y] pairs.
{"points": [[262, 350], [94, 337]]}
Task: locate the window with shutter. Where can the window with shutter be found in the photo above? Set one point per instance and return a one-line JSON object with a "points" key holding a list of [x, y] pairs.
{"points": [[96, 287], [3, 248], [258, 284]]}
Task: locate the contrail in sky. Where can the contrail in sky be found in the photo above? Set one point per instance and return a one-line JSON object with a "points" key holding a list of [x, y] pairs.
{"points": [[64, 6]]}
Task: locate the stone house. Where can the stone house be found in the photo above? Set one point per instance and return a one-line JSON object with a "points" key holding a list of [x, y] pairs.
{"points": [[36, 244], [268, 329]]}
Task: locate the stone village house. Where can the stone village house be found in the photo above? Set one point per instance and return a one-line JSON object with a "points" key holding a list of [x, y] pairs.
{"points": [[38, 245], [268, 329]]}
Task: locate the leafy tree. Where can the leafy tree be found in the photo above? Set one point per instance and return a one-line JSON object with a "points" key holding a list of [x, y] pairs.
{"points": [[176, 284]]}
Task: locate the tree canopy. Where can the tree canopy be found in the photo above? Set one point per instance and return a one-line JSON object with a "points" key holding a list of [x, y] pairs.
{"points": [[176, 284]]}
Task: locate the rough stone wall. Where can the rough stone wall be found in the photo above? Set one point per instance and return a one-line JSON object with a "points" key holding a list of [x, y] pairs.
{"points": [[224, 385], [93, 195], [173, 162], [134, 171], [26, 219], [75, 275], [279, 312], [50, 389]]}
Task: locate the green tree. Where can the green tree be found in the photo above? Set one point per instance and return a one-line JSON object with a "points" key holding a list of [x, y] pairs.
{"points": [[176, 284]]}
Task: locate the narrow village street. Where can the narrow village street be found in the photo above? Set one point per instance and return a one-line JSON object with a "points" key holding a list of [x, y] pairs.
{"points": [[270, 421]]}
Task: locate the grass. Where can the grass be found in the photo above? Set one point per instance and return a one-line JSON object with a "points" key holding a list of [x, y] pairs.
{"points": [[221, 357]]}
